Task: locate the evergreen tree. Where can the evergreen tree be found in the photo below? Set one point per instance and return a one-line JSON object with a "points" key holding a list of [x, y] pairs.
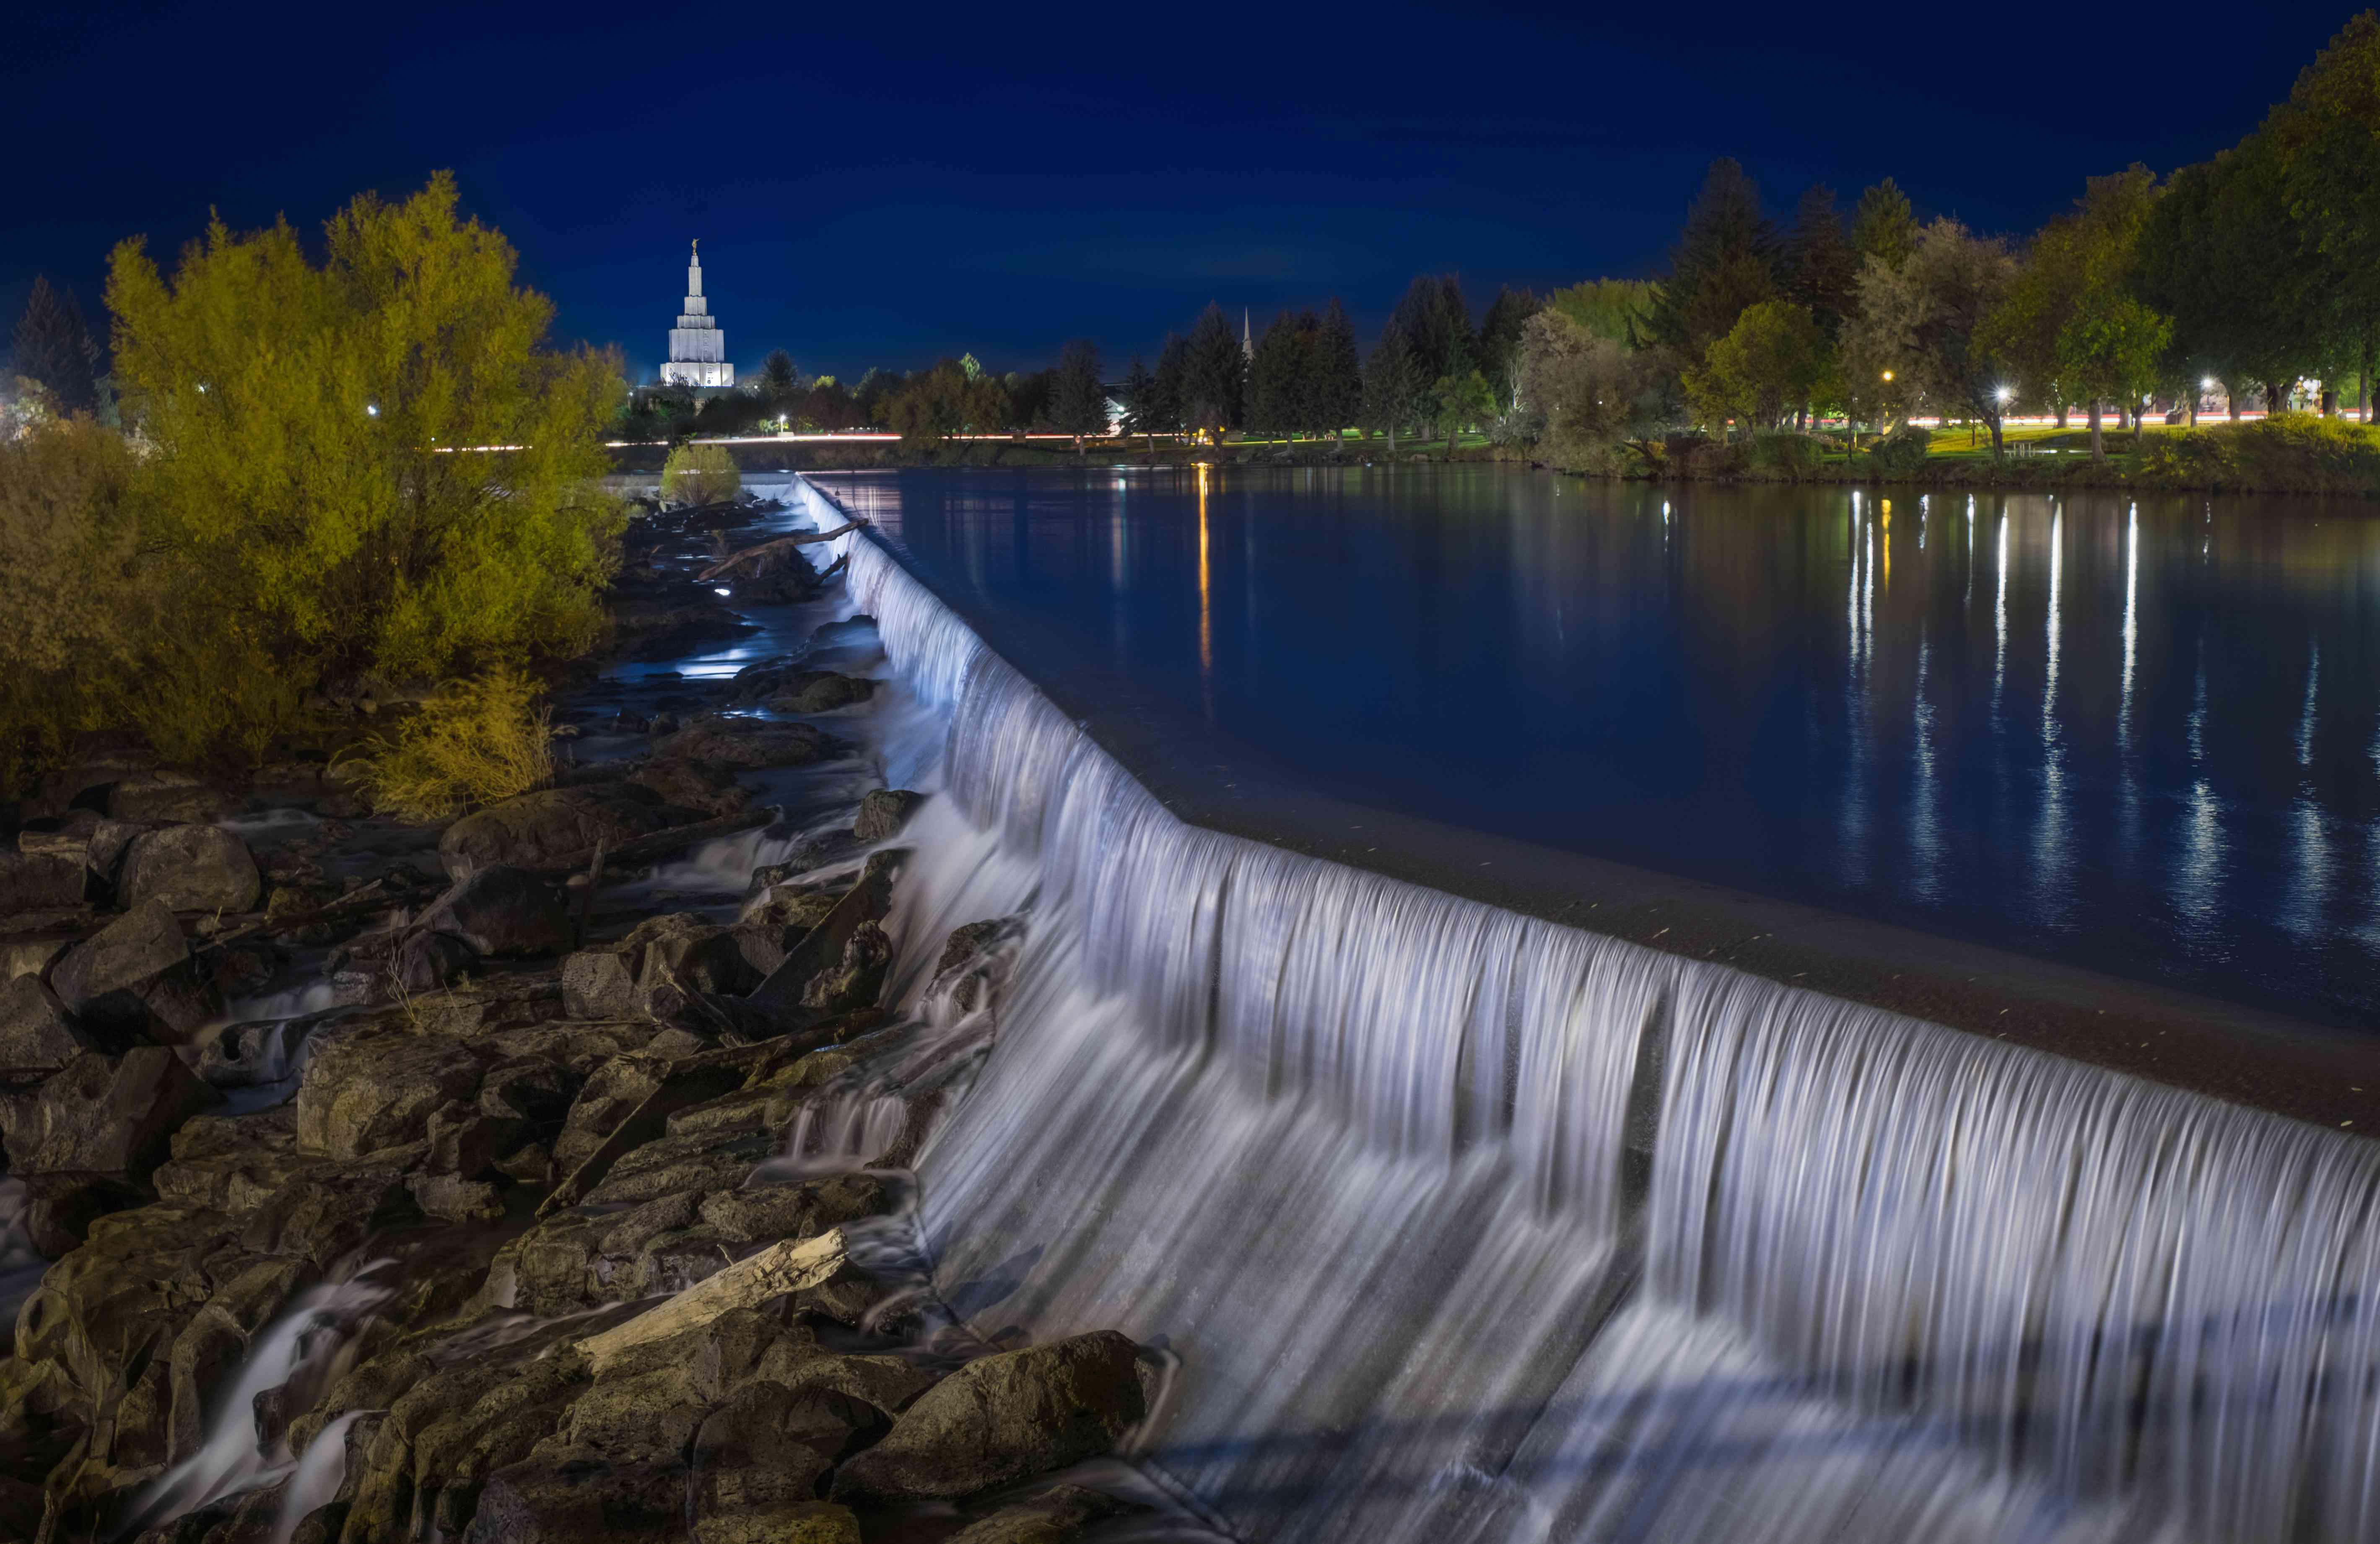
{"points": [[1279, 376], [1436, 324], [54, 349], [1139, 400], [1821, 265], [1214, 375], [1725, 260], [2323, 135], [1500, 341], [1394, 384], [1884, 228], [779, 379], [1078, 399], [1336, 397], [1169, 388]]}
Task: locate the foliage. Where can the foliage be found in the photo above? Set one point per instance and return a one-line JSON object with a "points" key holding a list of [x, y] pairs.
{"points": [[1768, 365], [1436, 324], [1214, 374], [82, 584], [1725, 260], [1500, 341], [1613, 309], [1335, 390], [1902, 452], [1078, 400], [1395, 389], [54, 349], [2295, 453], [779, 379], [1920, 320], [935, 404], [1793, 457], [1168, 408], [1883, 228], [700, 474], [1590, 397], [1463, 402], [1139, 400], [317, 482], [477, 742], [1279, 375], [1821, 265]]}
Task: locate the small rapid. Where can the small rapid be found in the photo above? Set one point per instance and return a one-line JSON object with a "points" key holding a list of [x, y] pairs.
{"points": [[1468, 1226]]}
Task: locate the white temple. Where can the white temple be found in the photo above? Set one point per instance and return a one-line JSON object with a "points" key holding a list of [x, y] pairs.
{"points": [[698, 349]]}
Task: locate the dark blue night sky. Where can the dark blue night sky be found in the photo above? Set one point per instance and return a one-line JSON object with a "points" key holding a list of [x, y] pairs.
{"points": [[882, 184]]}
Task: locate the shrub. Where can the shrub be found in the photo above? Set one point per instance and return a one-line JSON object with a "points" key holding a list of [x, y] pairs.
{"points": [[303, 488], [700, 474], [1902, 452], [2295, 453], [1787, 455], [477, 742]]}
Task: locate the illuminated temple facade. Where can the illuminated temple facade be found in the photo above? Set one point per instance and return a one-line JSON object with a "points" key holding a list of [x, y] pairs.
{"points": [[698, 349]]}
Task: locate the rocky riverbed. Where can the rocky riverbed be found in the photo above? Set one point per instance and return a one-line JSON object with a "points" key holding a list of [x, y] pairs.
{"points": [[388, 1182]]}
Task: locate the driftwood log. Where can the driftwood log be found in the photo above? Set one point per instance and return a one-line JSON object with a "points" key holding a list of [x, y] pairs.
{"points": [[766, 550], [774, 1272]]}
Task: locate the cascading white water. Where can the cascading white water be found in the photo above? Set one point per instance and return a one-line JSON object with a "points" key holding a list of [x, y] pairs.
{"points": [[1372, 1160]]}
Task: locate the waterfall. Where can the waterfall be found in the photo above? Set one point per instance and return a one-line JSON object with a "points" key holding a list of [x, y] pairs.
{"points": [[1467, 1226]]}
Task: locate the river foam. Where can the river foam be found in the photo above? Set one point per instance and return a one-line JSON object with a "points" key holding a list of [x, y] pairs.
{"points": [[1468, 1226]]}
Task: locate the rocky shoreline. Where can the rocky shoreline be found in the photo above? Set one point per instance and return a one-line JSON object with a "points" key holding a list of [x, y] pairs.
{"points": [[411, 1182]]}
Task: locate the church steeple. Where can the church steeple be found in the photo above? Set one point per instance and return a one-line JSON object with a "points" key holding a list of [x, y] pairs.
{"points": [[698, 349], [1247, 339]]}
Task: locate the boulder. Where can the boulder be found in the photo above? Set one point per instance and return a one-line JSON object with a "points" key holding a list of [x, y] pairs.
{"points": [[376, 1087], [768, 1447], [60, 1208], [856, 980], [165, 795], [789, 908], [709, 786], [821, 691], [36, 1032], [884, 812], [503, 910], [30, 954], [426, 961], [795, 1523], [1059, 1514], [110, 1116], [39, 882], [190, 868], [135, 976], [580, 1501], [552, 826], [600, 983], [1003, 1418], [749, 743]]}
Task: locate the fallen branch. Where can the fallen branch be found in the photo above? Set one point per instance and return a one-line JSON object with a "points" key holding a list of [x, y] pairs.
{"points": [[732, 561], [782, 1268], [654, 843], [363, 898]]}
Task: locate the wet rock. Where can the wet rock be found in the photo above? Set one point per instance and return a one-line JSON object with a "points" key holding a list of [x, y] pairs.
{"points": [[768, 1447], [884, 812], [231, 1163], [135, 976], [821, 950], [970, 968], [165, 795], [667, 962], [36, 1032], [789, 909], [581, 1499], [60, 1208], [552, 826], [856, 980], [709, 786], [803, 1210], [428, 961], [820, 691], [791, 1523], [191, 868], [451, 1199], [1003, 1418], [110, 1116], [376, 1087], [248, 1055], [39, 882], [1059, 1514], [320, 1216], [502, 910], [30, 954], [749, 743], [600, 983]]}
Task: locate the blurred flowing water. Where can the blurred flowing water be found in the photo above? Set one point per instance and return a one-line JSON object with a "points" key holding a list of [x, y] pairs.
{"points": [[1468, 1226]]}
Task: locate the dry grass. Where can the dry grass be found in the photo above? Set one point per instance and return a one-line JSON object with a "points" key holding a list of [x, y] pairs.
{"points": [[478, 742]]}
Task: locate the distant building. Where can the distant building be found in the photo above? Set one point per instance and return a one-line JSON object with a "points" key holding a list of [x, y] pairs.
{"points": [[698, 349]]}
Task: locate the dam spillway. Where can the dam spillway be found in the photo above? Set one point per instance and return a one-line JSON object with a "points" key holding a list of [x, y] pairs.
{"points": [[1467, 1225]]}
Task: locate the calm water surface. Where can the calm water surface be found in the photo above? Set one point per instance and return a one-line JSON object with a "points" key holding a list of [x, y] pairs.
{"points": [[2139, 734]]}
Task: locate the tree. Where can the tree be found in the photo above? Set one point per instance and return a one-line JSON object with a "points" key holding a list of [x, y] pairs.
{"points": [[1586, 396], [1821, 265], [300, 417], [1394, 385], [1213, 374], [54, 348], [1500, 340], [1169, 388], [1614, 309], [1463, 402], [1883, 227], [779, 379], [1436, 324], [1335, 397], [936, 404], [1078, 399], [1139, 401], [2324, 135], [1725, 260], [1921, 321], [1768, 365], [1278, 374]]}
